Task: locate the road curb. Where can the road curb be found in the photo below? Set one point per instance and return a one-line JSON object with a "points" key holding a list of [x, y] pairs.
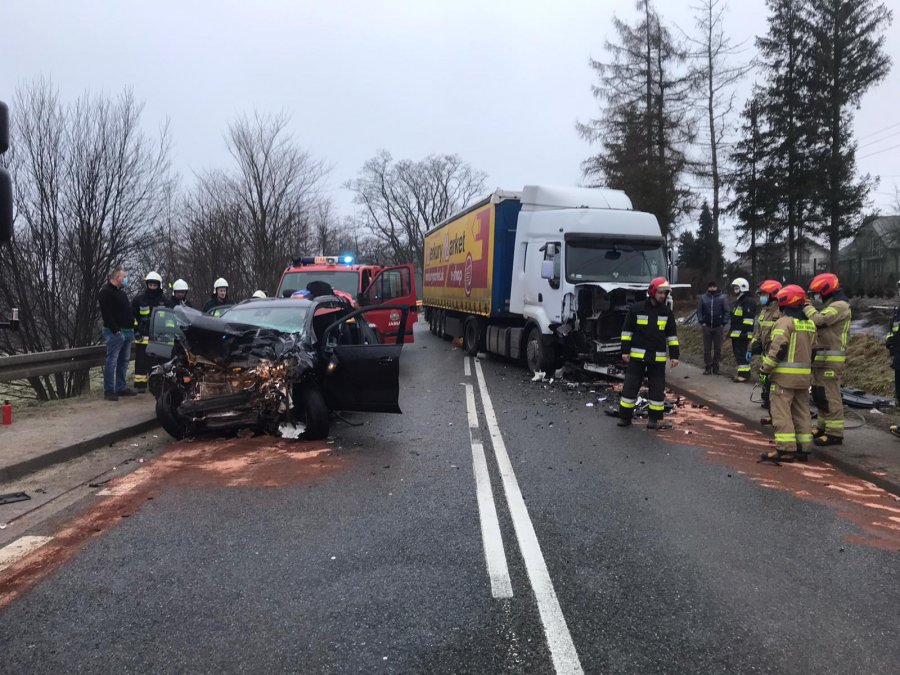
{"points": [[825, 454], [65, 453]]}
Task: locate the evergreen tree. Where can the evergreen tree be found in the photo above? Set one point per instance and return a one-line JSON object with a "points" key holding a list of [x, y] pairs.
{"points": [[848, 58], [645, 121]]}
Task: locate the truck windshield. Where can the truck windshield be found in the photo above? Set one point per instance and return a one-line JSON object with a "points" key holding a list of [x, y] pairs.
{"points": [[284, 319], [621, 261], [339, 281]]}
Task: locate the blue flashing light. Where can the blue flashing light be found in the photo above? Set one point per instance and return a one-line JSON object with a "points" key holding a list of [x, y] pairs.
{"points": [[348, 259]]}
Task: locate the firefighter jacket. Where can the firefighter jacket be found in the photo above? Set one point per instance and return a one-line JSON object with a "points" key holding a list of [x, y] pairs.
{"points": [[742, 317], [762, 331], [832, 331], [649, 333], [174, 302], [892, 339], [788, 361], [215, 302], [142, 307]]}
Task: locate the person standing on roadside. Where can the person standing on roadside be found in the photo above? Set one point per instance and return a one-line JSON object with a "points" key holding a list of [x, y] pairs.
{"points": [[142, 307], [179, 295], [769, 313], [118, 334], [742, 326], [832, 336], [649, 339], [712, 315]]}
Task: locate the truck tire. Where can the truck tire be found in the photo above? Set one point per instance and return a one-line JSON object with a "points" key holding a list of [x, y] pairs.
{"points": [[442, 324], [539, 356], [310, 410], [167, 413], [472, 336]]}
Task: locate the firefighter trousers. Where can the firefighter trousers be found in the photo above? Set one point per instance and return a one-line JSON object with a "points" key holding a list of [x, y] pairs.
{"points": [[656, 383], [141, 366], [740, 346], [790, 417], [826, 393]]}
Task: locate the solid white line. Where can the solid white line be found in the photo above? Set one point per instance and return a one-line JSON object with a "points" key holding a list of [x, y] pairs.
{"points": [[559, 640], [467, 367], [491, 537], [19, 549]]}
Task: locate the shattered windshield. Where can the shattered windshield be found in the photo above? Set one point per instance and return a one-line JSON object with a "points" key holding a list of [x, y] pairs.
{"points": [[284, 319], [619, 261]]}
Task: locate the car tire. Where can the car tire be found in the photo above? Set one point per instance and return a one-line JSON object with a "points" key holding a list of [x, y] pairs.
{"points": [[539, 356], [471, 336], [167, 413], [311, 411]]}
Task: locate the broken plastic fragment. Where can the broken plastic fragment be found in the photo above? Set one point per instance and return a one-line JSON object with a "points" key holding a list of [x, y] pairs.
{"points": [[538, 376]]}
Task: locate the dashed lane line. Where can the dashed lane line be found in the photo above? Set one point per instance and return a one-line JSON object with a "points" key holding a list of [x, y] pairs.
{"points": [[491, 537], [467, 367], [19, 549], [559, 640]]}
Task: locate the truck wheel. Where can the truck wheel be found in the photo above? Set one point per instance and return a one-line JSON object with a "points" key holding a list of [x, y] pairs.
{"points": [[310, 410], [441, 323], [471, 336], [539, 355], [432, 323], [167, 413]]}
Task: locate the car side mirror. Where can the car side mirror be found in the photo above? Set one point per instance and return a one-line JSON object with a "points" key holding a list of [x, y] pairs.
{"points": [[547, 270]]}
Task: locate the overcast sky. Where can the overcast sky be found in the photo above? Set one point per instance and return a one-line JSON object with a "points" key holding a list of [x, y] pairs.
{"points": [[500, 83]]}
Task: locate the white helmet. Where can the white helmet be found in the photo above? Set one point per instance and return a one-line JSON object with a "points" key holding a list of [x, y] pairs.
{"points": [[180, 285], [742, 284], [153, 276], [259, 294], [220, 283]]}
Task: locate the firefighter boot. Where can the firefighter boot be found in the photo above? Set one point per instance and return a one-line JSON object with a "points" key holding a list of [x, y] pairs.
{"points": [[825, 440], [777, 457], [801, 455]]}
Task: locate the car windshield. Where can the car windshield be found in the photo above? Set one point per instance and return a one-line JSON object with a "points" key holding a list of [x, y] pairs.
{"points": [[284, 319], [618, 261], [339, 281]]}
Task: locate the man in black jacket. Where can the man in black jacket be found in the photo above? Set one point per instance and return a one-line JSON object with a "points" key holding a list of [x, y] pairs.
{"points": [[649, 339], [118, 333], [712, 315]]}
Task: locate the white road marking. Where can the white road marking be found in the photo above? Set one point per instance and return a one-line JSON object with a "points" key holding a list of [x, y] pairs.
{"points": [[126, 484], [19, 549], [491, 537], [559, 640], [467, 366]]}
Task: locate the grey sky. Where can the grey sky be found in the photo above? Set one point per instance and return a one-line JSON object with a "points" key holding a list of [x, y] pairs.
{"points": [[500, 83]]}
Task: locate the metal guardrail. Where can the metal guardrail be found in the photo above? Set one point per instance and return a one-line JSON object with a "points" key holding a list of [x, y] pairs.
{"points": [[22, 366]]}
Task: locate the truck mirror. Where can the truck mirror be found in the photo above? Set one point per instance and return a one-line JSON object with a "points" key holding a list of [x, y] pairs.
{"points": [[547, 270], [6, 206]]}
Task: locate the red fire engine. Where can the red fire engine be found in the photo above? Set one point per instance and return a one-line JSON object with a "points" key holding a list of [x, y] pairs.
{"points": [[368, 284]]}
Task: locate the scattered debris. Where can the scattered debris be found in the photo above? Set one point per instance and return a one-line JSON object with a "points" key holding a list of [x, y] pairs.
{"points": [[13, 497]]}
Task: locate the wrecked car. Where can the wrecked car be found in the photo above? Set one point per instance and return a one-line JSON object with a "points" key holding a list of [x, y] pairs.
{"points": [[274, 366]]}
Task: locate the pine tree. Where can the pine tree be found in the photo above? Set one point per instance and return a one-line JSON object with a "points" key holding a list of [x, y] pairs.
{"points": [[645, 121], [847, 50]]}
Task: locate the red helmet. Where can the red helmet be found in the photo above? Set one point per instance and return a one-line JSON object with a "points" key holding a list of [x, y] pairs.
{"points": [[791, 296], [769, 286], [658, 284], [824, 284]]}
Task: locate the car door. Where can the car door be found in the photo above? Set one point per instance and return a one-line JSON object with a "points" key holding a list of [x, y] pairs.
{"points": [[395, 287], [163, 330], [357, 372]]}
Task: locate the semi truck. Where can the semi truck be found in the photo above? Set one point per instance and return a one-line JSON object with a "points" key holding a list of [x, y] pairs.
{"points": [[544, 275]]}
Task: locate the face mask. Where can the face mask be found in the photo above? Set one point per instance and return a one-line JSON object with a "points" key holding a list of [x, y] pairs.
{"points": [[124, 281], [816, 297], [764, 299]]}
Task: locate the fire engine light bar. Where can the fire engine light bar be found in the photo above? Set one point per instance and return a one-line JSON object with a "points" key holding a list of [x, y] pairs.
{"points": [[324, 260]]}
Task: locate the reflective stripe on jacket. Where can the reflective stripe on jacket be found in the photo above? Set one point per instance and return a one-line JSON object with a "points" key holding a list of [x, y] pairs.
{"points": [[832, 331], [649, 332], [788, 361], [742, 317], [765, 322]]}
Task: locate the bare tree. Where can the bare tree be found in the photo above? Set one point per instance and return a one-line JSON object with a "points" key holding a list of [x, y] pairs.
{"points": [[402, 200], [89, 187]]}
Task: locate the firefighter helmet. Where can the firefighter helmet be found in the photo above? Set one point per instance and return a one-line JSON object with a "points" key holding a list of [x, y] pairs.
{"points": [[824, 284], [658, 284], [180, 285], [259, 294], [153, 276], [742, 284], [220, 283], [769, 286], [791, 296]]}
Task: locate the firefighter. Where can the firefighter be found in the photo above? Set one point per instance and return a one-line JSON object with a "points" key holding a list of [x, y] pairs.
{"points": [[769, 313], [142, 307], [179, 294], [742, 326], [833, 332], [787, 366], [258, 295], [892, 342], [649, 339], [219, 296]]}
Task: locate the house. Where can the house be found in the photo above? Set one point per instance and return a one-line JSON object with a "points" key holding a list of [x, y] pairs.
{"points": [[772, 260], [871, 262]]}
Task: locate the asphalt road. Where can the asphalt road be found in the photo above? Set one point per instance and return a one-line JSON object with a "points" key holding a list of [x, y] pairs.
{"points": [[608, 550]]}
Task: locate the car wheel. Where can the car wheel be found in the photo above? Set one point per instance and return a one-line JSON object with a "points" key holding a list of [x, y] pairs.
{"points": [[471, 336], [538, 354], [167, 413], [310, 410]]}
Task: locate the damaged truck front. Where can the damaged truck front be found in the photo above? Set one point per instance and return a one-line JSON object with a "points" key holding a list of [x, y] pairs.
{"points": [[545, 275]]}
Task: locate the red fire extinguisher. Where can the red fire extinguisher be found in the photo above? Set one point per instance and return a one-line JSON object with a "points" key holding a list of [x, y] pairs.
{"points": [[7, 412]]}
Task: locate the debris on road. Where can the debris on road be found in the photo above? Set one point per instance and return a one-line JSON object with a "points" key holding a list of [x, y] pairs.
{"points": [[13, 497]]}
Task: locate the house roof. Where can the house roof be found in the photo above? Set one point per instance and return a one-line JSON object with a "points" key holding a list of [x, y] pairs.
{"points": [[885, 228]]}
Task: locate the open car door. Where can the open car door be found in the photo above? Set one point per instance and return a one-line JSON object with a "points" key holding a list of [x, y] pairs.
{"points": [[359, 372], [163, 329], [396, 288]]}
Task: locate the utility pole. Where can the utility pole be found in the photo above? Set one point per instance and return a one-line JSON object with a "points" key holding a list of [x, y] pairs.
{"points": [[6, 203]]}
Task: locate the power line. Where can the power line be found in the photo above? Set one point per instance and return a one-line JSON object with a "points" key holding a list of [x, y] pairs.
{"points": [[880, 140], [893, 147], [875, 133]]}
